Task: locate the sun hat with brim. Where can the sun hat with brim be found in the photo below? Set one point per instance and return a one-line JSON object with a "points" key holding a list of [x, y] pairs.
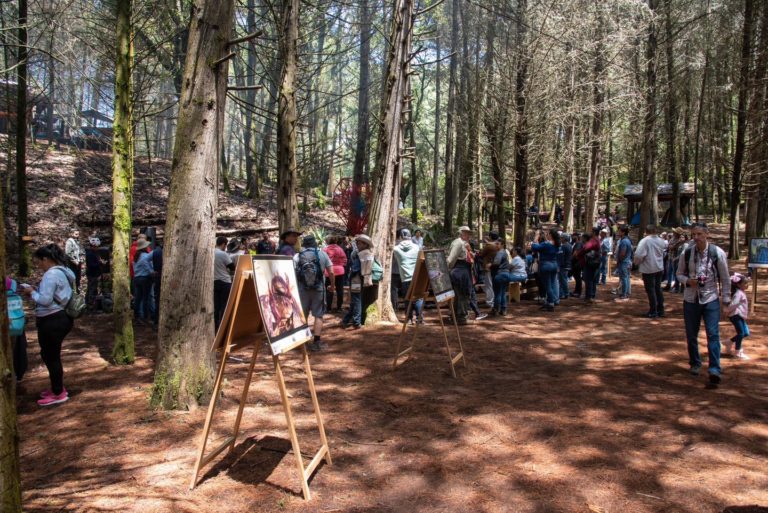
{"points": [[142, 244], [678, 230], [364, 238], [290, 231], [465, 229]]}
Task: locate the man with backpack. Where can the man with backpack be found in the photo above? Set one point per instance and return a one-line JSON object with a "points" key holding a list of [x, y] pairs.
{"points": [[649, 257], [310, 264], [702, 267]]}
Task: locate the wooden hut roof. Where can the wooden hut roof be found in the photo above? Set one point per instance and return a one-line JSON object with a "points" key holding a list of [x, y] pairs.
{"points": [[664, 191]]}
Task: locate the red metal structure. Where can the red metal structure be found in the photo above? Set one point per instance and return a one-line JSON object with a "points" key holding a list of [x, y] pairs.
{"points": [[351, 204]]}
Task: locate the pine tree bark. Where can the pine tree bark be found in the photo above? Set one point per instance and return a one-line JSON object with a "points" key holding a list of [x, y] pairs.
{"points": [[123, 351], [741, 129], [184, 371], [758, 126], [450, 208], [21, 142], [387, 173], [521, 126], [596, 141], [287, 117], [10, 481], [436, 154], [570, 147], [363, 105], [671, 117], [648, 206]]}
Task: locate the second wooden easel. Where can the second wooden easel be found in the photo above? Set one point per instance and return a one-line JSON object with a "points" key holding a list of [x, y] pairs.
{"points": [[420, 289], [242, 327]]}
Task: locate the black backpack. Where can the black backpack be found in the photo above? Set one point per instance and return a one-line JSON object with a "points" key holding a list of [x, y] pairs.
{"points": [[310, 274]]}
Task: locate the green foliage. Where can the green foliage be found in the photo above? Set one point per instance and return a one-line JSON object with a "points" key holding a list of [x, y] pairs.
{"points": [[372, 315], [320, 201], [167, 392], [319, 233], [408, 212]]}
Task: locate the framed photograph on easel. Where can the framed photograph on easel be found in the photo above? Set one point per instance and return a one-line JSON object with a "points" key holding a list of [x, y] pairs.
{"points": [[439, 275], [758, 253], [278, 292]]}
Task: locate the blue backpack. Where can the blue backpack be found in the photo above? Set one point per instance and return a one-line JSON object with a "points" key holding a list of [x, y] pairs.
{"points": [[16, 317]]}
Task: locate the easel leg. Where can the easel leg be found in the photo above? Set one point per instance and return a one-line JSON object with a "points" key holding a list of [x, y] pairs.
{"points": [[755, 274], [458, 333], [244, 396], [291, 426], [400, 338], [445, 335], [316, 404], [209, 415]]}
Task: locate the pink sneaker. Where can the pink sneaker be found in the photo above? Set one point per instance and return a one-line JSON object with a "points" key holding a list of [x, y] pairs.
{"points": [[54, 399], [49, 393]]}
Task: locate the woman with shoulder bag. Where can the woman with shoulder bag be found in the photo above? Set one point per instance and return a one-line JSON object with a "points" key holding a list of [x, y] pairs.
{"points": [[53, 323]]}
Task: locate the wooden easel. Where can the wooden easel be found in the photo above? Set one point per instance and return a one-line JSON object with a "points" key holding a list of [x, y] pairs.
{"points": [[242, 327], [419, 289], [755, 276]]}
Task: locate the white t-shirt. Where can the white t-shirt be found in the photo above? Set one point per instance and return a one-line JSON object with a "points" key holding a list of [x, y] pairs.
{"points": [[221, 261]]}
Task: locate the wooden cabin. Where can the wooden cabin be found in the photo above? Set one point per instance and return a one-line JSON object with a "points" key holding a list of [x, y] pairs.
{"points": [[633, 193]]}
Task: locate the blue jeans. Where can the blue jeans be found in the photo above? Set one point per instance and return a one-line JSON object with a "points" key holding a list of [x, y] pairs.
{"points": [[564, 283], [500, 285], [143, 300], [549, 278], [603, 269], [742, 330], [693, 313], [590, 274], [354, 314], [670, 274], [625, 284], [417, 306]]}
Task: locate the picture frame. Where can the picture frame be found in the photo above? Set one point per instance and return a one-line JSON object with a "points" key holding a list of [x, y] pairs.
{"points": [[286, 327], [439, 275], [758, 253]]}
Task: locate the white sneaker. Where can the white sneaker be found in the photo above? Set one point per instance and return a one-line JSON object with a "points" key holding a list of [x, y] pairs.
{"points": [[741, 355]]}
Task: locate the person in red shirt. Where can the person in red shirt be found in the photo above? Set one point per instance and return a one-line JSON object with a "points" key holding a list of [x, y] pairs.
{"points": [[338, 258], [589, 259]]}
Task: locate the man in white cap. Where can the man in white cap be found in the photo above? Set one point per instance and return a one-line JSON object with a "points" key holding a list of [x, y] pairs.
{"points": [[461, 273]]}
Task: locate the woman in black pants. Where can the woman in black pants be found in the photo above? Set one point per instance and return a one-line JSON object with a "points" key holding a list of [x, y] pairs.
{"points": [[53, 323]]}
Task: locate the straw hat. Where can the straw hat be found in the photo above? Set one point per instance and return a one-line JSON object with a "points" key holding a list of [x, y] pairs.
{"points": [[364, 238]]}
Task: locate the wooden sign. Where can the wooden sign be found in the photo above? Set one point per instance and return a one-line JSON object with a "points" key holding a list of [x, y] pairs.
{"points": [[243, 326], [420, 289]]}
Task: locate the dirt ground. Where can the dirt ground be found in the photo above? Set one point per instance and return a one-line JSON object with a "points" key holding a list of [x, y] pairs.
{"points": [[589, 409]]}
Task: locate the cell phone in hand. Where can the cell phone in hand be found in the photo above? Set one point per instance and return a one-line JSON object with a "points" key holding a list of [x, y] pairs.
{"points": [[25, 286]]}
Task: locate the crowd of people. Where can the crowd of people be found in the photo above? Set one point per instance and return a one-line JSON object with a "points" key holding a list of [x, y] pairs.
{"points": [[674, 262]]}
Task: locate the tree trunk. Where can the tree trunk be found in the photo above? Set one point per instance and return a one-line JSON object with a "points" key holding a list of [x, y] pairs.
{"points": [[697, 138], [741, 128], [671, 117], [123, 351], [10, 481], [363, 108], [570, 147], [596, 141], [758, 151], [184, 371], [388, 168], [252, 183], [436, 154], [521, 127], [648, 206], [21, 142], [450, 208], [288, 212]]}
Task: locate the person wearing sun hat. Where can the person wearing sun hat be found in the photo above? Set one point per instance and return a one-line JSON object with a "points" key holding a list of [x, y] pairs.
{"points": [[363, 290], [461, 272], [288, 240], [143, 272]]}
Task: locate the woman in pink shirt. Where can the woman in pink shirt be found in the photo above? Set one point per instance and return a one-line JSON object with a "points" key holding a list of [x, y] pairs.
{"points": [[339, 260]]}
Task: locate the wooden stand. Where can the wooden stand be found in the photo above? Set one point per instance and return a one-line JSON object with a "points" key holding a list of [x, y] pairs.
{"points": [[419, 289], [241, 328], [755, 277]]}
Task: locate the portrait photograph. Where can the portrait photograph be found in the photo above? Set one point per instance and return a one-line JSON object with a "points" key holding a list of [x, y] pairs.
{"points": [[277, 289], [439, 276]]}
